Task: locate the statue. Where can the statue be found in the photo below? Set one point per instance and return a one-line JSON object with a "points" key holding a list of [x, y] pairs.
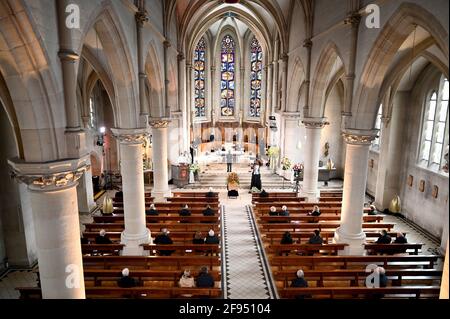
{"points": [[395, 205]]}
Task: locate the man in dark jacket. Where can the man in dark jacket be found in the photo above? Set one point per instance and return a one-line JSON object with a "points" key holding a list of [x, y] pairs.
{"points": [[102, 238], [126, 281], [208, 211], [300, 282], [152, 211], [210, 193], [164, 239], [211, 238], [204, 279], [401, 239], [315, 238], [185, 211], [264, 193], [119, 194], [384, 238]]}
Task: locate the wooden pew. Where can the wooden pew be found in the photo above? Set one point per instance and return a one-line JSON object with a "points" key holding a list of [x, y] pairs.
{"points": [[355, 276], [315, 219], [393, 248], [362, 292], [113, 249], [119, 218], [186, 249], [177, 236], [312, 262], [155, 227], [187, 200], [320, 226], [192, 194], [150, 262], [176, 206], [331, 193], [303, 236], [135, 292], [330, 249]]}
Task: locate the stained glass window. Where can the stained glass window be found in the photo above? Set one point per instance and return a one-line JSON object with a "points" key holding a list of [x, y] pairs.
{"points": [[227, 77], [199, 78], [255, 78]]}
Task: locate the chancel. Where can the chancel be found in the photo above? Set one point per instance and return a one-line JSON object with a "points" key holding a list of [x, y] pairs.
{"points": [[212, 149]]}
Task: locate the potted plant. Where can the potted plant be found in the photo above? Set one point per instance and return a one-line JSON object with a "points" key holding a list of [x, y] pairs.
{"points": [[194, 169], [232, 181]]}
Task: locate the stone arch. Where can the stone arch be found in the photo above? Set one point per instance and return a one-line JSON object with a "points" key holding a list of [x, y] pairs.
{"points": [[295, 84], [329, 63], [154, 82], [31, 85], [389, 40], [105, 23]]}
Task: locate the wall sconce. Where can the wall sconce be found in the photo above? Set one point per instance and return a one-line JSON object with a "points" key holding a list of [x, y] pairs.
{"points": [[101, 136], [422, 186], [410, 180], [435, 191]]}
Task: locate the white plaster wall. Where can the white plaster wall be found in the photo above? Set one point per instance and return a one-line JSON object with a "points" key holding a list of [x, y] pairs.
{"points": [[372, 172], [293, 134]]}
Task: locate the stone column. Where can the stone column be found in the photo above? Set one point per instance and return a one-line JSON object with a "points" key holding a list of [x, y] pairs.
{"points": [[160, 171], [167, 45], [284, 63], [355, 178], [275, 78], [182, 99], [53, 198], [141, 17], [308, 45], [312, 154], [132, 170], [189, 78], [85, 192], [353, 20]]}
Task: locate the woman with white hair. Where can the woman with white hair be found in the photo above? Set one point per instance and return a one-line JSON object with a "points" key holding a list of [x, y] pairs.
{"points": [[210, 192], [152, 211], [299, 282], [211, 238], [186, 281], [185, 211], [126, 281], [273, 211], [102, 238], [284, 211]]}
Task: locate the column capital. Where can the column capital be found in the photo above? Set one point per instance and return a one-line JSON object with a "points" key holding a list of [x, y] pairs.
{"points": [[181, 56], [68, 55], [359, 137], [49, 176], [315, 122], [167, 44], [307, 43], [130, 136], [141, 17], [159, 122]]}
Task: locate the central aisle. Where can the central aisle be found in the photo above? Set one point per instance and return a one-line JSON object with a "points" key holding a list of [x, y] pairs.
{"points": [[246, 275]]}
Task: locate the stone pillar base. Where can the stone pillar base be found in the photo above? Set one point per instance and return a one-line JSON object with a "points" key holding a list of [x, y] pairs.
{"points": [[311, 196], [355, 243], [133, 243], [160, 196]]}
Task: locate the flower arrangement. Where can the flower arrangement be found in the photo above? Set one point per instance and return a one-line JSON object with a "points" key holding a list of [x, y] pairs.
{"points": [[285, 163], [233, 178], [194, 168], [273, 151], [298, 167]]}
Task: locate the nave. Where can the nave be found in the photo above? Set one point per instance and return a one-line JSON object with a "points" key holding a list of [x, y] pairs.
{"points": [[248, 264]]}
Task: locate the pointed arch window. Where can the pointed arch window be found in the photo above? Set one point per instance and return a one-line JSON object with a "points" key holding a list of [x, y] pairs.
{"points": [[435, 128], [376, 141], [227, 77], [256, 56], [199, 78]]}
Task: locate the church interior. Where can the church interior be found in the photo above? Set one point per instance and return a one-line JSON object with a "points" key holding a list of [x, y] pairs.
{"points": [[224, 149]]}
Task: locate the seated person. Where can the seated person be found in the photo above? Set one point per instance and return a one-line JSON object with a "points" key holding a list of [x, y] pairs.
{"points": [[315, 238], [287, 239], [263, 193], [382, 280], [284, 211], [384, 238], [186, 281], [315, 211], [400, 239], [119, 194], [273, 211], [102, 238], [208, 211], [373, 210], [300, 282], [211, 238], [152, 211], [84, 241], [198, 238], [204, 279], [126, 281], [164, 239], [185, 211], [210, 193]]}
